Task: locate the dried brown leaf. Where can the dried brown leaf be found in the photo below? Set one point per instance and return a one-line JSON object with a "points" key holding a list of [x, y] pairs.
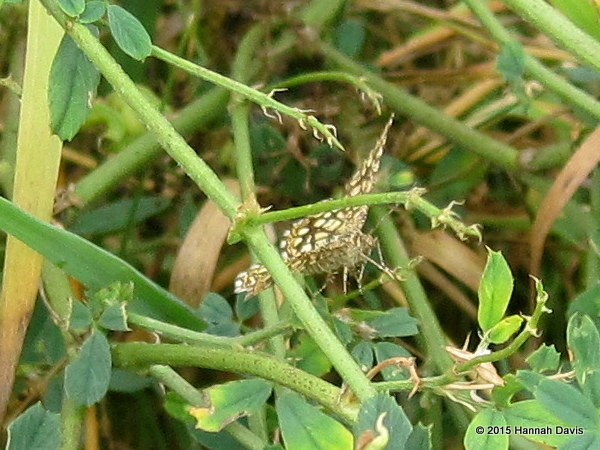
{"points": [[196, 261]]}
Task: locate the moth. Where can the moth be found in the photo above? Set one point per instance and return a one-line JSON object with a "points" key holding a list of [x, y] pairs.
{"points": [[328, 241]]}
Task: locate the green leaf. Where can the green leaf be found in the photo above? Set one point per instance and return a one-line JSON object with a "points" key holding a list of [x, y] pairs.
{"points": [[88, 376], [585, 441], [215, 309], [478, 435], [305, 427], [395, 322], [129, 34], [511, 61], [495, 289], [81, 316], [342, 330], [532, 415], [309, 356], [502, 395], [114, 318], [35, 429], [581, 13], [591, 387], [244, 309], [567, 403], [72, 86], [503, 330], [350, 37], [93, 12], [115, 294], [72, 8], [419, 438], [363, 354], [94, 266], [380, 416], [118, 215], [587, 302], [230, 401], [122, 380], [44, 343], [584, 340], [387, 350], [530, 380], [545, 358], [230, 329]]}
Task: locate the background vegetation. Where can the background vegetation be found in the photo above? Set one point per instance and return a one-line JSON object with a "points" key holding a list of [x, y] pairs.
{"points": [[495, 118]]}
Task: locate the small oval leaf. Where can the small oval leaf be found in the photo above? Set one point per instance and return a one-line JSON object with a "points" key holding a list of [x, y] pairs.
{"points": [[35, 429], [72, 86], [88, 376], [130, 35], [93, 12], [504, 329], [495, 289], [72, 8]]}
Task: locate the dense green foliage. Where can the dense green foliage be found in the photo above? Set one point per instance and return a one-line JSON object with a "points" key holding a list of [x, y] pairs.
{"points": [[486, 211]]}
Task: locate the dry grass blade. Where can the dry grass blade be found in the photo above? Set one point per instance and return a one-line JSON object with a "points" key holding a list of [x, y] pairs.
{"points": [[575, 172], [199, 253], [452, 255], [36, 171]]}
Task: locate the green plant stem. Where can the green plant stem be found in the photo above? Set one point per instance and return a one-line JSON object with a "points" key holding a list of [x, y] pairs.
{"points": [[533, 67], [338, 77], [136, 355], [266, 101], [177, 333], [190, 394], [240, 109], [197, 115], [558, 28], [396, 255], [268, 332], [406, 104], [410, 199], [71, 417], [195, 337], [166, 135], [243, 70]]}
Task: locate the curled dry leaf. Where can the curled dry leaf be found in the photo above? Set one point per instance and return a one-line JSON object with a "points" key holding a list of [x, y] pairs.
{"points": [[575, 172], [196, 261]]}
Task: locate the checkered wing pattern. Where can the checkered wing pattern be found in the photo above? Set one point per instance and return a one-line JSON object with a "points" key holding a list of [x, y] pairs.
{"points": [[328, 241]]}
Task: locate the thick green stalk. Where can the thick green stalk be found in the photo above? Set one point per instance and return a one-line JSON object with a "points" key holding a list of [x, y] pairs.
{"points": [[559, 28], [403, 103], [533, 67], [145, 148], [243, 71], [136, 355], [71, 418], [309, 316], [396, 255], [166, 135]]}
